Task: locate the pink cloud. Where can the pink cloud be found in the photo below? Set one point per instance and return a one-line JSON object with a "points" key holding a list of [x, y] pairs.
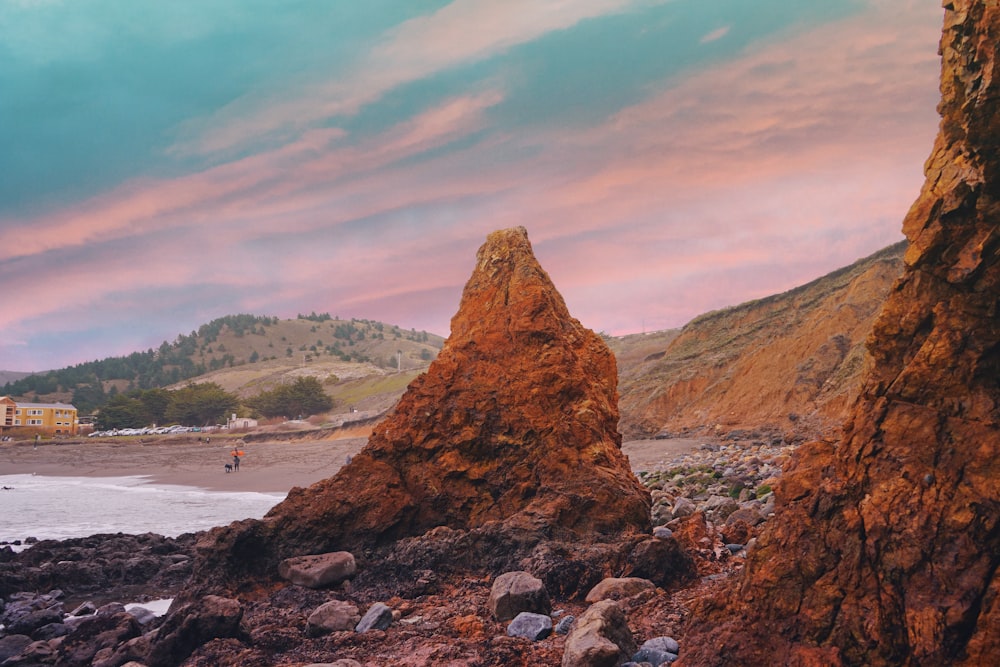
{"points": [[709, 192]]}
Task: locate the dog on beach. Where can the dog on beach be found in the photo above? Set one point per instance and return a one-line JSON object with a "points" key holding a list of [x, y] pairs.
{"points": [[229, 467]]}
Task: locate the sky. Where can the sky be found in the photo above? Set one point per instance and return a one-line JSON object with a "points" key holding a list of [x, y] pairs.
{"points": [[163, 164]]}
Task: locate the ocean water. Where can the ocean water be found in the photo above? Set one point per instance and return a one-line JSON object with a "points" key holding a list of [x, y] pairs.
{"points": [[63, 507]]}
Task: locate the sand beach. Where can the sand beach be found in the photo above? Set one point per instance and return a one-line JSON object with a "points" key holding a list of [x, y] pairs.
{"points": [[266, 466]]}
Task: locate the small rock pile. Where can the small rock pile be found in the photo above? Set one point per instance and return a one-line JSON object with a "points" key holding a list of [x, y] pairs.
{"points": [[729, 485], [601, 636]]}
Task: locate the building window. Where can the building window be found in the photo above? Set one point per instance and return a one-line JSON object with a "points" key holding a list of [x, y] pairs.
{"points": [[34, 422], [17, 422]]}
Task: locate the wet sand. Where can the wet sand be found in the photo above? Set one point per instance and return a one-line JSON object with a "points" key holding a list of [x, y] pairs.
{"points": [[265, 466]]}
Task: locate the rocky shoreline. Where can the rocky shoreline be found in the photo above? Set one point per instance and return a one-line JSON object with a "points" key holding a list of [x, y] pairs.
{"points": [[708, 503]]}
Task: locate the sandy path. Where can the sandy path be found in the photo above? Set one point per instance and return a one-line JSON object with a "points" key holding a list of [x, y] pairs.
{"points": [[264, 467]]}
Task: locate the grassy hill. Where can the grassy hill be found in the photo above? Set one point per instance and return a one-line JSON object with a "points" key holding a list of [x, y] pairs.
{"points": [[789, 362], [246, 354]]}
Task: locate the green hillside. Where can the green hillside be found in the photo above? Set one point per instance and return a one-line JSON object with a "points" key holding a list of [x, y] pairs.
{"points": [[245, 354]]}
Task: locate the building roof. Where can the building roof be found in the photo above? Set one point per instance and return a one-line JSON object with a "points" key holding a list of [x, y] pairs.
{"points": [[56, 406]]}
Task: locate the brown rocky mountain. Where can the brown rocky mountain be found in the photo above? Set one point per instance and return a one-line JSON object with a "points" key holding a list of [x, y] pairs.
{"points": [[790, 363], [885, 547], [507, 442]]}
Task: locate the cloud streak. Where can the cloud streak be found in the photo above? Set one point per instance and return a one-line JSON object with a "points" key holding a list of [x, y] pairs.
{"points": [[460, 33], [738, 178]]}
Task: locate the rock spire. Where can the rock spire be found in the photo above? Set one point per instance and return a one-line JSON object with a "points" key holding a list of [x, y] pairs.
{"points": [[885, 547], [513, 427]]}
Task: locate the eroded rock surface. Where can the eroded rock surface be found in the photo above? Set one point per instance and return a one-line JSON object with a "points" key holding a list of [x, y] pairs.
{"points": [[885, 547], [510, 438]]}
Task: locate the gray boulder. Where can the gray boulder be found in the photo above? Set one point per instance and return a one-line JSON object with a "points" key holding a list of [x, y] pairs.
{"points": [[662, 532], [28, 623], [683, 507], [564, 624], [665, 644], [654, 657], [720, 507], [514, 592], [183, 631], [85, 609], [95, 634], [530, 626], [378, 617], [319, 570]]}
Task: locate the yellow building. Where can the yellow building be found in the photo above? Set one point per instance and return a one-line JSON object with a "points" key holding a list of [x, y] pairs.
{"points": [[7, 407], [42, 418]]}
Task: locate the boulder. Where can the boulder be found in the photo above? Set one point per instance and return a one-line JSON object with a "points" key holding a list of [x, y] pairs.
{"points": [[141, 614], [41, 652], [28, 623], [319, 570], [599, 638], [719, 507], [619, 588], [665, 644], [378, 617], [94, 634], [11, 645], [110, 608], [654, 657], [85, 609], [183, 631], [530, 626], [515, 592], [564, 624], [51, 631], [332, 616], [658, 651]]}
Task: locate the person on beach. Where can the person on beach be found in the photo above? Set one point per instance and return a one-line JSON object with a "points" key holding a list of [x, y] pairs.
{"points": [[236, 462], [37, 438]]}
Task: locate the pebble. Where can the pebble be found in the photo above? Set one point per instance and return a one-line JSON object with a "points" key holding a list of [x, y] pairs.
{"points": [[565, 624]]}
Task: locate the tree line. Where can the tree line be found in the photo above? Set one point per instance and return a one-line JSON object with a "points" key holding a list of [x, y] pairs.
{"points": [[169, 364], [208, 403]]}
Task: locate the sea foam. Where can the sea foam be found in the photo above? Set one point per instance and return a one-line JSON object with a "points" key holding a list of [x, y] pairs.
{"points": [[63, 507]]}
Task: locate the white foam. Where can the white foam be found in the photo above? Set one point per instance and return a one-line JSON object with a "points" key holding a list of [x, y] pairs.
{"points": [[158, 607], [64, 507]]}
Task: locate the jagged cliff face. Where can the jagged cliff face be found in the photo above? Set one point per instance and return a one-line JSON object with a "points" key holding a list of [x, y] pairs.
{"points": [[513, 426], [791, 363], [885, 548]]}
